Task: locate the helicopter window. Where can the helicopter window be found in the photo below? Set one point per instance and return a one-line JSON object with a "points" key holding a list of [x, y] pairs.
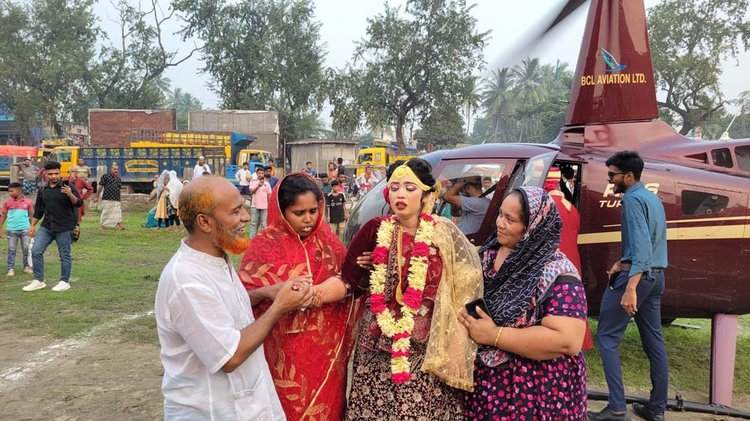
{"points": [[702, 203], [700, 157], [722, 157], [743, 157], [484, 176]]}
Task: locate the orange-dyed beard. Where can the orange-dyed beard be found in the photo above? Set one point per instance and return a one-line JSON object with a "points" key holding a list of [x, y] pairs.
{"points": [[230, 241]]}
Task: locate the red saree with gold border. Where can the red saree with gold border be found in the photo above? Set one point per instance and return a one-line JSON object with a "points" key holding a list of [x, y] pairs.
{"points": [[307, 351]]}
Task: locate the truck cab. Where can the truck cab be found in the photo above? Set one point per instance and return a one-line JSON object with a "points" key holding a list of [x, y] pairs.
{"points": [[380, 157], [67, 156], [254, 156]]}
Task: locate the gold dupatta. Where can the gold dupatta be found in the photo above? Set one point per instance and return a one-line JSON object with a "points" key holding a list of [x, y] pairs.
{"points": [[450, 351]]}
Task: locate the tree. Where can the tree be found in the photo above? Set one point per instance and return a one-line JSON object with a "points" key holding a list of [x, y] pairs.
{"points": [[481, 129], [472, 97], [442, 129], [262, 55], [497, 100], [525, 103], [130, 73], [418, 60], [689, 41], [45, 55], [346, 113], [183, 103]]}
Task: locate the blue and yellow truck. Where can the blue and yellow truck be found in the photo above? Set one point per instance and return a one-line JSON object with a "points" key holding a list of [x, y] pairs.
{"points": [[140, 165], [235, 146]]}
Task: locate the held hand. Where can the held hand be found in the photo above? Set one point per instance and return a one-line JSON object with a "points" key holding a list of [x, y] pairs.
{"points": [[365, 260], [292, 296], [32, 231], [629, 301], [481, 330], [316, 300], [307, 279], [614, 269], [273, 290]]}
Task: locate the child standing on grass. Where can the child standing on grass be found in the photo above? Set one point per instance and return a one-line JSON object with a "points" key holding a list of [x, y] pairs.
{"points": [[336, 209], [17, 211]]}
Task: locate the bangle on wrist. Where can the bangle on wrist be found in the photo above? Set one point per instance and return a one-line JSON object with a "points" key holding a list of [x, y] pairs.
{"points": [[497, 337]]}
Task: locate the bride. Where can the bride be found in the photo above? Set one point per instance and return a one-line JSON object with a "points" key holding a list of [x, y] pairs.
{"points": [[417, 271]]}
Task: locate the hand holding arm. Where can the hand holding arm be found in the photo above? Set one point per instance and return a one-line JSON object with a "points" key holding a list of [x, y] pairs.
{"points": [[364, 260], [331, 290], [268, 293], [290, 296]]}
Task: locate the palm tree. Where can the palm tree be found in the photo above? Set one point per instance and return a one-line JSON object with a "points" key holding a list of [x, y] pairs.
{"points": [[529, 91], [471, 100], [554, 79], [497, 100], [309, 125], [528, 77], [163, 83], [182, 102], [743, 101]]}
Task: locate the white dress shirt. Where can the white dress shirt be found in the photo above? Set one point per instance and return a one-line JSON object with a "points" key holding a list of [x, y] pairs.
{"points": [[201, 306]]}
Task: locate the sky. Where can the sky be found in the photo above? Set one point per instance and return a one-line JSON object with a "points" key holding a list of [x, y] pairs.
{"points": [[343, 23]]}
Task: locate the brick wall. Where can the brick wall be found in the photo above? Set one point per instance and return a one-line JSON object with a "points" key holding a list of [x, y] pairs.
{"points": [[112, 127]]}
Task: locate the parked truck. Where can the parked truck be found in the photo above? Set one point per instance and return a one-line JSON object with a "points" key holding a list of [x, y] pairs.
{"points": [[262, 125], [140, 165], [235, 145], [10, 154], [381, 155]]}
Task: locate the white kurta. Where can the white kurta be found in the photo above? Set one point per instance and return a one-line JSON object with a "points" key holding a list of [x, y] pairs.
{"points": [[201, 306], [199, 170]]}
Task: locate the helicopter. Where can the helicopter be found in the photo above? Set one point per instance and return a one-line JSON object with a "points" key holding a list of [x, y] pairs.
{"points": [[703, 185]]}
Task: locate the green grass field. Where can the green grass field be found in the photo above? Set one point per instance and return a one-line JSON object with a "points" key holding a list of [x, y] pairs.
{"points": [[116, 273]]}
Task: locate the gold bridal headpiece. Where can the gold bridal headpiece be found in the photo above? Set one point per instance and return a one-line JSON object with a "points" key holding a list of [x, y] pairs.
{"points": [[403, 171]]}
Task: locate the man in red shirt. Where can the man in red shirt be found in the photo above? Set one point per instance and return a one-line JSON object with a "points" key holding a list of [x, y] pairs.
{"points": [[84, 189]]}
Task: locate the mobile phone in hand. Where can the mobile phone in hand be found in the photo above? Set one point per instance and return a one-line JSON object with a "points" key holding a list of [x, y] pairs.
{"points": [[471, 308]]}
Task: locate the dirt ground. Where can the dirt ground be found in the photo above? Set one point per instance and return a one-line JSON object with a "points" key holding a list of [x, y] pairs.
{"points": [[99, 379]]}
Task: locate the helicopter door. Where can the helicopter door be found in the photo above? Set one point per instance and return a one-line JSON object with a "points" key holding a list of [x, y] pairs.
{"points": [[533, 173]]}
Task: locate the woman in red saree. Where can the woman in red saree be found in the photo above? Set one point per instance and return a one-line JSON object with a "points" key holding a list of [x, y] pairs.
{"points": [[307, 351]]}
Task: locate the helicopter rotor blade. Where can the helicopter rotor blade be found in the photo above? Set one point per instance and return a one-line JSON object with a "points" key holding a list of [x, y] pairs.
{"points": [[567, 9], [532, 39]]}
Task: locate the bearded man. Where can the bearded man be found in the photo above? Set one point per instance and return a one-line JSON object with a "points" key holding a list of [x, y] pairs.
{"points": [[109, 189], [211, 345]]}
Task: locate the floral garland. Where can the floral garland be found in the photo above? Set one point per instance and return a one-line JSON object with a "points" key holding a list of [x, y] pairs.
{"points": [[400, 330]]}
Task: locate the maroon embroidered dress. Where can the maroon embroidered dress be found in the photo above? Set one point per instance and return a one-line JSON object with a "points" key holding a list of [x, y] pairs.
{"points": [[374, 395]]}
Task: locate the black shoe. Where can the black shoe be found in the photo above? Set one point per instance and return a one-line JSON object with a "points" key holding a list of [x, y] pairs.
{"points": [[644, 412], [606, 414]]}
